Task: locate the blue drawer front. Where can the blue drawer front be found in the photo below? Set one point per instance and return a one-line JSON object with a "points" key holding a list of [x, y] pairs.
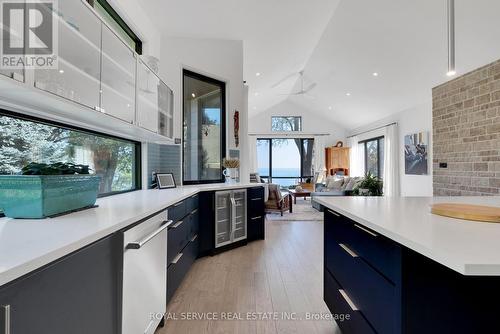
{"points": [[191, 203], [178, 237], [380, 252], [177, 271], [356, 324], [177, 211]]}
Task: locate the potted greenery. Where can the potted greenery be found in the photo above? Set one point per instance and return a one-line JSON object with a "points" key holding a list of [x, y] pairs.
{"points": [[45, 190], [369, 186]]}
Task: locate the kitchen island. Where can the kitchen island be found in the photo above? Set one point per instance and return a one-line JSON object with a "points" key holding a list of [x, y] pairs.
{"points": [[397, 268]]}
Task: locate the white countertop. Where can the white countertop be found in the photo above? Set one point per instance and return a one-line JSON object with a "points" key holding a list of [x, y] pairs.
{"points": [[28, 244], [468, 247]]}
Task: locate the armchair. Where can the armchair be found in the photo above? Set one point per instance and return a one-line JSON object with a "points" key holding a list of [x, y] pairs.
{"points": [[276, 202]]}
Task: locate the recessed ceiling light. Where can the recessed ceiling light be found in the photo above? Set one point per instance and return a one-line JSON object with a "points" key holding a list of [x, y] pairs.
{"points": [[451, 73], [330, 108], [348, 94], [375, 74], [193, 95], [254, 108], [257, 74], [256, 94], [61, 71]]}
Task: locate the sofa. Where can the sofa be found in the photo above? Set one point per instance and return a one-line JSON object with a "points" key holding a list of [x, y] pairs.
{"points": [[334, 186]]}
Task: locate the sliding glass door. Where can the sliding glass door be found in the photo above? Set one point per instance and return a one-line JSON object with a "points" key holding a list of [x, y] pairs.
{"points": [[204, 128], [285, 161]]}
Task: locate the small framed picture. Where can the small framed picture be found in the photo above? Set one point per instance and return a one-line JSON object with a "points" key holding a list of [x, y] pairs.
{"points": [[165, 180]]}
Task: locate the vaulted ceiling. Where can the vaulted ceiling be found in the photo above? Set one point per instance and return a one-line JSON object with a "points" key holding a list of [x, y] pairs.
{"points": [[340, 44]]}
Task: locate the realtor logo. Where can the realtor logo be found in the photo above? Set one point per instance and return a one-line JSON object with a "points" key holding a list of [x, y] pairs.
{"points": [[29, 34]]}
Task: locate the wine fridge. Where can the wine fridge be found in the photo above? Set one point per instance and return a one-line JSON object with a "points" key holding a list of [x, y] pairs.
{"points": [[230, 217]]}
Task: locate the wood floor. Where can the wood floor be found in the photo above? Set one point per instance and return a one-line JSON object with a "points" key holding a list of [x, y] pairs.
{"points": [[277, 280]]}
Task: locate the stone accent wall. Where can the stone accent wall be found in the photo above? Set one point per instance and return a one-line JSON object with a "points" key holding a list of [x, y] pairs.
{"points": [[466, 134]]}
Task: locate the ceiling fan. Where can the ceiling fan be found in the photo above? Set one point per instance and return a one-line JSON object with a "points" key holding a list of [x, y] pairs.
{"points": [[303, 90]]}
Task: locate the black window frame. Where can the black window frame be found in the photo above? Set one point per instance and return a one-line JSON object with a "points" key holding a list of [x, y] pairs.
{"points": [[137, 150], [120, 22], [301, 152], [364, 143], [285, 116], [223, 148]]}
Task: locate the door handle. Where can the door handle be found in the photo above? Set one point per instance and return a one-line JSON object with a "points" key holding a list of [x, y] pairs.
{"points": [[348, 300], [5, 316], [348, 250], [366, 230], [255, 218], [333, 213], [177, 258], [256, 199], [139, 244], [179, 223]]}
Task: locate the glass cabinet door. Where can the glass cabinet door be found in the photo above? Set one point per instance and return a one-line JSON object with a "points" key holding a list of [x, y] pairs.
{"points": [[78, 75], [223, 221], [165, 111], [117, 77], [240, 215], [147, 95]]}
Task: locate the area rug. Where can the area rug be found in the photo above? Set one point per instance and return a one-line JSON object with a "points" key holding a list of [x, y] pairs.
{"points": [[302, 211]]}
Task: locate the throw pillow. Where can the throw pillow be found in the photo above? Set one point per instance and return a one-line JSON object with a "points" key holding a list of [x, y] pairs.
{"points": [[335, 184], [352, 183]]}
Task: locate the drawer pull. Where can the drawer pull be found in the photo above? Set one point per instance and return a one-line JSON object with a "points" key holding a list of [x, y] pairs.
{"points": [[366, 230], [177, 258], [6, 318], [194, 238], [194, 211], [177, 204], [194, 196], [348, 300], [256, 199], [334, 213], [141, 243], [255, 218], [176, 225], [348, 250]]}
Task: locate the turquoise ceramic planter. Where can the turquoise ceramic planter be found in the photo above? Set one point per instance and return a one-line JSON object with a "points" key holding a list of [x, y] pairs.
{"points": [[40, 196]]}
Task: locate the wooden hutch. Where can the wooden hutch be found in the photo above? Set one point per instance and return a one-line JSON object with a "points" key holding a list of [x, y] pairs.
{"points": [[337, 159]]}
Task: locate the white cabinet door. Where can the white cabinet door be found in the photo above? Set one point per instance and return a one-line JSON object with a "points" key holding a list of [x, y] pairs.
{"points": [[147, 95], [78, 75], [166, 111], [117, 77]]}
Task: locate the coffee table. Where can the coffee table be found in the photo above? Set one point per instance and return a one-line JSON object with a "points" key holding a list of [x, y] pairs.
{"points": [[295, 194]]}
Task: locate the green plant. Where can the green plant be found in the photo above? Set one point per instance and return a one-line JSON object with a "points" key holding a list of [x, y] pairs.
{"points": [[371, 183], [57, 168]]}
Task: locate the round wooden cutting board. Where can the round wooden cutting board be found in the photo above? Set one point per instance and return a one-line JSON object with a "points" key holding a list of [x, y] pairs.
{"points": [[490, 214]]}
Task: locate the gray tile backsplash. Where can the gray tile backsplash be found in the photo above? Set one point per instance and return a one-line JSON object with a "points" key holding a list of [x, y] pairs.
{"points": [[164, 159]]}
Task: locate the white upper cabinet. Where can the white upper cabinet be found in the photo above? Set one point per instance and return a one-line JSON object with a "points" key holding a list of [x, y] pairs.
{"points": [[117, 77], [147, 97], [165, 111], [78, 75]]}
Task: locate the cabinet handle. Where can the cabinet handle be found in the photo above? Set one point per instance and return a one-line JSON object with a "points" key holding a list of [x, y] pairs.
{"points": [[178, 224], [255, 218], [177, 258], [194, 211], [366, 230], [6, 318], [348, 250], [177, 204], [256, 199], [348, 300], [139, 244], [194, 238], [333, 213]]}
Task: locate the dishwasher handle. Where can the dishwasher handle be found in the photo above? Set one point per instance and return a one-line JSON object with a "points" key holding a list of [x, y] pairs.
{"points": [[139, 244]]}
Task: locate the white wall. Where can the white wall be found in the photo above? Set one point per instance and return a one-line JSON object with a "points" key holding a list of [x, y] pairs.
{"points": [[218, 59], [312, 123], [137, 19], [416, 119]]}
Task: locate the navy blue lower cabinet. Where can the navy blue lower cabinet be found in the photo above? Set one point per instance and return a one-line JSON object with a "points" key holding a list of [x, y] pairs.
{"points": [[388, 288], [77, 294]]}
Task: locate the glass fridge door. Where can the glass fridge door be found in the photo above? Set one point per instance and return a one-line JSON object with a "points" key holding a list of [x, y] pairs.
{"points": [[223, 221], [240, 215]]}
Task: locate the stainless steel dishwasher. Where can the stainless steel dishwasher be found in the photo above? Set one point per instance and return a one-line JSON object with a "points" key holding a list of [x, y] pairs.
{"points": [[145, 275]]}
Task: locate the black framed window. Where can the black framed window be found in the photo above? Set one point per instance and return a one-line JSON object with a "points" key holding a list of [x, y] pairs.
{"points": [[26, 139], [286, 123], [204, 128], [374, 156], [111, 17], [285, 161]]}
